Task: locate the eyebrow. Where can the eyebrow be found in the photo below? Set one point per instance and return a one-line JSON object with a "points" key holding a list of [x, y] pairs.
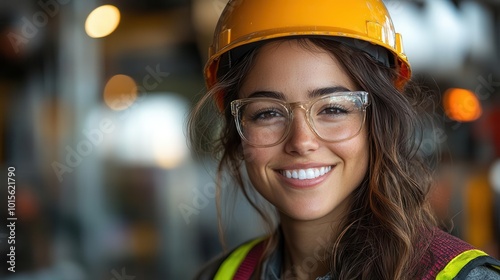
{"points": [[313, 93], [322, 91], [267, 93]]}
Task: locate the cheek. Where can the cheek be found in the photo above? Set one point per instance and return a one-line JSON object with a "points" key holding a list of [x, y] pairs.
{"points": [[355, 154], [254, 163], [360, 157], [254, 159], [250, 154]]}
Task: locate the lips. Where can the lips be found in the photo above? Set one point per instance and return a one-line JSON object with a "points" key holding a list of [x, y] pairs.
{"points": [[306, 174]]}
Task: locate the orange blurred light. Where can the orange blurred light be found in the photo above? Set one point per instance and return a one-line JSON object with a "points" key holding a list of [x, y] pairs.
{"points": [[461, 105], [120, 92]]}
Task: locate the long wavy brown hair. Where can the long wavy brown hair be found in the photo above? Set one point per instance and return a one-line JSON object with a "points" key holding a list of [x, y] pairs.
{"points": [[383, 234]]}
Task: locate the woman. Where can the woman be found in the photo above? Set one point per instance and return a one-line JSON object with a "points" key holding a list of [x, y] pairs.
{"points": [[318, 113]]}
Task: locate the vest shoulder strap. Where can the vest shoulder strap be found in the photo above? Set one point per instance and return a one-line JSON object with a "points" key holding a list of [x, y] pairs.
{"points": [[460, 266], [241, 263], [449, 257]]}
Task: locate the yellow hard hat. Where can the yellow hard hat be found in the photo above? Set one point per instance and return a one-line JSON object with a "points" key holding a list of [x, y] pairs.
{"points": [[248, 21]]}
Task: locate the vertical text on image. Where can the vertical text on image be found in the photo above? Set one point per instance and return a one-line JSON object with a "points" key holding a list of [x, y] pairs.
{"points": [[11, 219]]}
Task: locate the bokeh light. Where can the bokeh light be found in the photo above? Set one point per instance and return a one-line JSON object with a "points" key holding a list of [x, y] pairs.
{"points": [[102, 21], [152, 134], [120, 92], [495, 176], [461, 105]]}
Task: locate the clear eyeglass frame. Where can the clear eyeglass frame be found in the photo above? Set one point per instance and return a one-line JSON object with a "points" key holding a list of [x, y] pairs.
{"points": [[361, 96]]}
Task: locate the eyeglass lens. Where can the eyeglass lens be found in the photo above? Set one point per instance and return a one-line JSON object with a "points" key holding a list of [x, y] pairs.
{"points": [[265, 122]]}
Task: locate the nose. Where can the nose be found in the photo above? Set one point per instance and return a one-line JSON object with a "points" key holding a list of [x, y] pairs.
{"points": [[301, 140]]}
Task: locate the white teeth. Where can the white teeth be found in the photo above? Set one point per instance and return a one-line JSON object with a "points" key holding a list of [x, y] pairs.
{"points": [[310, 174], [303, 174]]}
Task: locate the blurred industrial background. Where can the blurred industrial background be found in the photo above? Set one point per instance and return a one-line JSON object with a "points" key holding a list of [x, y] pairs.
{"points": [[93, 100]]}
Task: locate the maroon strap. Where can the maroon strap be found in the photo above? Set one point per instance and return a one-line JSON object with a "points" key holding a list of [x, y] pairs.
{"points": [[442, 249], [250, 262]]}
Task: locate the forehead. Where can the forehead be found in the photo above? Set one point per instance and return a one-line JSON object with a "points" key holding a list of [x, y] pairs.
{"points": [[294, 68]]}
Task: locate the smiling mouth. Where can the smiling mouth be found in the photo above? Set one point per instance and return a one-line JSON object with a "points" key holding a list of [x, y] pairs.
{"points": [[306, 174]]}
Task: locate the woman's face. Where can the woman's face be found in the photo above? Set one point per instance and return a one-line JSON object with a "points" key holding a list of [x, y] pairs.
{"points": [[293, 72]]}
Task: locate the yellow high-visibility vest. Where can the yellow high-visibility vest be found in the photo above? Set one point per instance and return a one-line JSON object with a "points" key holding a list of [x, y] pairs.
{"points": [[454, 269]]}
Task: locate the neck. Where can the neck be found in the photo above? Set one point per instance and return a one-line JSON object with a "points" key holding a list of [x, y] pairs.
{"points": [[306, 244]]}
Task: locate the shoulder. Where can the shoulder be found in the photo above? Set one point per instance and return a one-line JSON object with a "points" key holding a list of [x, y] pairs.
{"points": [[441, 247], [236, 256], [441, 240], [483, 273], [447, 255], [208, 271]]}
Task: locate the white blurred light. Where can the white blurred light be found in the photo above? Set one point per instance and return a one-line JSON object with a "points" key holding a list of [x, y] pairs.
{"points": [[439, 36], [479, 22], [448, 36], [495, 176], [152, 133]]}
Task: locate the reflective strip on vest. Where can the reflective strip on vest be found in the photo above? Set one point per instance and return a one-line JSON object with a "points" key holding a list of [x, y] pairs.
{"points": [[228, 268], [456, 264]]}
